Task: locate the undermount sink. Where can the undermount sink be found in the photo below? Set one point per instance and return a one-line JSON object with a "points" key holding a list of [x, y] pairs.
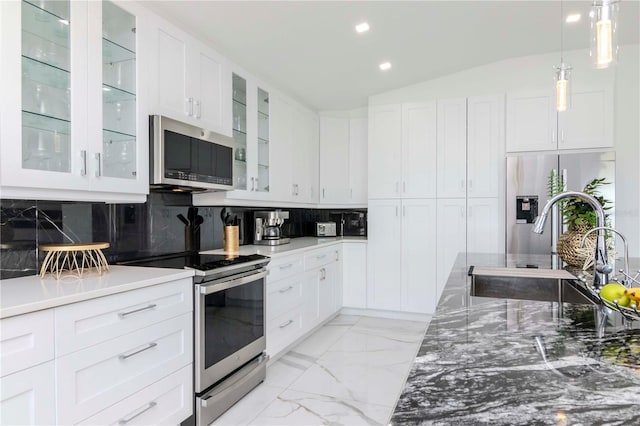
{"points": [[552, 285]]}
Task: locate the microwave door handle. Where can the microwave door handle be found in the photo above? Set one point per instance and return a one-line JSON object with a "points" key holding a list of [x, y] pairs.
{"points": [[208, 289]]}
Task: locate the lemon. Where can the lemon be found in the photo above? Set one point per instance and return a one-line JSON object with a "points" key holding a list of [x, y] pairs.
{"points": [[615, 291]]}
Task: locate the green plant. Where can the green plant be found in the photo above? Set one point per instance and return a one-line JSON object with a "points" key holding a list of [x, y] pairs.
{"points": [[576, 212]]}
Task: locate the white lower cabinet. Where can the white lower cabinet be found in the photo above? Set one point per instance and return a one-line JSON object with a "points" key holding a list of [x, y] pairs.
{"points": [[123, 358], [95, 378], [485, 225], [285, 298], [166, 402], [354, 275], [384, 255], [25, 341], [401, 255], [324, 279], [451, 236], [419, 254], [80, 325], [27, 397], [302, 291]]}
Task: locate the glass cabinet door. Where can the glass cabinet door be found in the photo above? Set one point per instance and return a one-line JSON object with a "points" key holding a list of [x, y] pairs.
{"points": [[263, 141], [118, 92], [240, 132], [46, 85]]}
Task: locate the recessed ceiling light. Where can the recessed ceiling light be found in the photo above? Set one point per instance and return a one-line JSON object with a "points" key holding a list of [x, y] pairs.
{"points": [[573, 18], [385, 66], [362, 28], [63, 21]]}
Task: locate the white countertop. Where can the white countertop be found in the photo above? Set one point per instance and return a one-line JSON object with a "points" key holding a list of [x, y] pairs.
{"points": [[28, 294], [295, 245]]}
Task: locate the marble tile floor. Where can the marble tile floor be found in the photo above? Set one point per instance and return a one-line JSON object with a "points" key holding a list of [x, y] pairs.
{"points": [[349, 372]]}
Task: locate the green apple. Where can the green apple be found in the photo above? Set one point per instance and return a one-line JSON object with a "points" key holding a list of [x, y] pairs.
{"points": [[615, 291]]}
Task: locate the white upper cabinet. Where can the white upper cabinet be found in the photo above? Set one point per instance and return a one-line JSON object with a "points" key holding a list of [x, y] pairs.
{"points": [[293, 152], [250, 122], [589, 121], [385, 155], [304, 180], [533, 124], [531, 121], [343, 160], [74, 117], [358, 160], [193, 82], [452, 148], [334, 160], [419, 149], [485, 145], [402, 151]]}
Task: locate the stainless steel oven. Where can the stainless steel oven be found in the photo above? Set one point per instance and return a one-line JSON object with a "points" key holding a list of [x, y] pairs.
{"points": [[229, 334], [229, 327]]}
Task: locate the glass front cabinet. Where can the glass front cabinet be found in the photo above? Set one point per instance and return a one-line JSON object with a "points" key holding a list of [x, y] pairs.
{"points": [[71, 124], [251, 136]]}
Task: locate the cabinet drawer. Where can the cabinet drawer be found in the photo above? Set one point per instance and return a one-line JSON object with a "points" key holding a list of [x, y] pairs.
{"points": [[84, 324], [27, 397], [283, 330], [318, 258], [283, 268], [95, 378], [166, 402], [283, 296], [25, 340]]}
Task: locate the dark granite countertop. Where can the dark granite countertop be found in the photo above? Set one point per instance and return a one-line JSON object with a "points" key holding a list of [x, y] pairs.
{"points": [[478, 363]]}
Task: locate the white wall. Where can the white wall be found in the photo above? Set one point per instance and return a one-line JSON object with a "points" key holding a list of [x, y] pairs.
{"points": [[536, 73]]}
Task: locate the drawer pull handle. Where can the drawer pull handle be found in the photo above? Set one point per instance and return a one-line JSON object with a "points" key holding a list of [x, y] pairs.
{"points": [[124, 314], [284, 290], [149, 346], [287, 266], [286, 324], [147, 408], [321, 256]]}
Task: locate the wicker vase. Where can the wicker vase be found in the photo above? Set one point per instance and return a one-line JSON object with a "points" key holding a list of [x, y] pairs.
{"points": [[569, 246]]}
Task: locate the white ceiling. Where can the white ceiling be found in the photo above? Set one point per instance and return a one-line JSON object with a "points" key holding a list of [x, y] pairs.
{"points": [[311, 50]]}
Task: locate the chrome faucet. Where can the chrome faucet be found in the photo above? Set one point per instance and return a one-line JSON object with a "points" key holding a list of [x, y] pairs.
{"points": [[625, 272], [601, 267]]}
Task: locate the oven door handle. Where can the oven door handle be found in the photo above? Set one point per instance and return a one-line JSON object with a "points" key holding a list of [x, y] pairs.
{"points": [[208, 289]]}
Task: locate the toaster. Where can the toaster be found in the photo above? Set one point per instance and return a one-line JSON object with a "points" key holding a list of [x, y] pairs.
{"points": [[325, 229]]}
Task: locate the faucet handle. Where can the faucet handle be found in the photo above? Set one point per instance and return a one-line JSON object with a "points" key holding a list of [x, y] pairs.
{"points": [[604, 268]]}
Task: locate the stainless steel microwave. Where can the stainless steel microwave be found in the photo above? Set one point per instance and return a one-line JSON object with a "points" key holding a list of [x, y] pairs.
{"points": [[185, 157]]}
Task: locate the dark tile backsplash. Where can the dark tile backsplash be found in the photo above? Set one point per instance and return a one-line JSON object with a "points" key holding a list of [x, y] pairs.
{"points": [[133, 230]]}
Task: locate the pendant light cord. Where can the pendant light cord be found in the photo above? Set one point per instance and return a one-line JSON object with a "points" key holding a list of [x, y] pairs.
{"points": [[561, 34]]}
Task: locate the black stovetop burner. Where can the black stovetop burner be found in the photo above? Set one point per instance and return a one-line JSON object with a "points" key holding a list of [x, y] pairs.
{"points": [[205, 264]]}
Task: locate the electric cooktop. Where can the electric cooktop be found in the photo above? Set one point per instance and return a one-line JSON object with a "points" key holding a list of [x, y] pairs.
{"points": [[217, 265]]}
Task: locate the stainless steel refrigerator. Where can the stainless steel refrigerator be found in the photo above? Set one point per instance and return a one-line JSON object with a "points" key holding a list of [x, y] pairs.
{"points": [[527, 193]]}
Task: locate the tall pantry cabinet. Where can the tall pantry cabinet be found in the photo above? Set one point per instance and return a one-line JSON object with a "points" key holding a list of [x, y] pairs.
{"points": [[401, 217], [435, 185]]}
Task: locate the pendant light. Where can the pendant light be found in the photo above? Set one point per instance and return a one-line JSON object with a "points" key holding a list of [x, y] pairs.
{"points": [[563, 89], [604, 33]]}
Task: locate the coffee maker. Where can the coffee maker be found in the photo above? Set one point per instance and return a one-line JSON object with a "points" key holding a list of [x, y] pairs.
{"points": [[268, 227]]}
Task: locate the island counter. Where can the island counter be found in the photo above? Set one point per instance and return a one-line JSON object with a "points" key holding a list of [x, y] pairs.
{"points": [[480, 362]]}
